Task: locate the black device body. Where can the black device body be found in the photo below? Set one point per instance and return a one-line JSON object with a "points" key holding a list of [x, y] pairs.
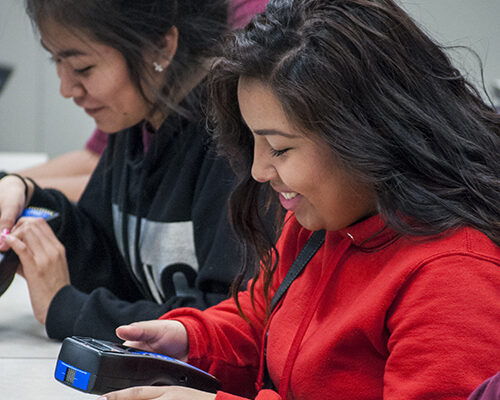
{"points": [[8, 267], [98, 367]]}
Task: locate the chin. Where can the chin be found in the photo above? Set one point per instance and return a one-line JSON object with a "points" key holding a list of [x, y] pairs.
{"points": [[311, 224], [108, 128]]}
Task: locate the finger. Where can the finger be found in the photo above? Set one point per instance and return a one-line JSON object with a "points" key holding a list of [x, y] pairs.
{"points": [[7, 221], [159, 336], [38, 254], [20, 248], [40, 225], [8, 217], [3, 233], [29, 233], [136, 393], [28, 222], [38, 235], [35, 255], [12, 201], [144, 331]]}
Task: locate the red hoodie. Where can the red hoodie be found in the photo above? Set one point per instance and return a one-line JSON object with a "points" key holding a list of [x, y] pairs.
{"points": [[408, 319]]}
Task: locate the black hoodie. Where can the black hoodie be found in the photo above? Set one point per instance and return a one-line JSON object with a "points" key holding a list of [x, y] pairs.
{"points": [[149, 234]]}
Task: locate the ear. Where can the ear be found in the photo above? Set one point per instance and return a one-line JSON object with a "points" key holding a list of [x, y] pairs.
{"points": [[168, 46]]}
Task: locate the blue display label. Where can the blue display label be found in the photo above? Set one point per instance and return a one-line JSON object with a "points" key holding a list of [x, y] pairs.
{"points": [[39, 212], [72, 376]]}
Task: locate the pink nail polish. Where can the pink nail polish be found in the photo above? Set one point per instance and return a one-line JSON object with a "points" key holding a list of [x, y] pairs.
{"points": [[5, 232]]}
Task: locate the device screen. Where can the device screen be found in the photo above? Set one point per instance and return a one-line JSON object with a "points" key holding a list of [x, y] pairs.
{"points": [[69, 377]]}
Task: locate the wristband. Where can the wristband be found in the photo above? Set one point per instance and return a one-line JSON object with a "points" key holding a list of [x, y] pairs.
{"points": [[27, 178]]}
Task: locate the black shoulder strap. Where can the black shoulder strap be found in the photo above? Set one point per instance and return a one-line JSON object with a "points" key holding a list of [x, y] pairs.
{"points": [[308, 251]]}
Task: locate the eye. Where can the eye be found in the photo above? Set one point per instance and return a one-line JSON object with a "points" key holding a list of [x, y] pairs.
{"points": [[82, 71], [278, 153]]}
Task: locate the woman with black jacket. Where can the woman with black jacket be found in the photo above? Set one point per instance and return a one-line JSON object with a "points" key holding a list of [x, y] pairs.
{"points": [[150, 232]]}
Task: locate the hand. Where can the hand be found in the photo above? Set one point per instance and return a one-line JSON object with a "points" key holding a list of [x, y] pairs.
{"points": [[43, 262], [12, 203], [158, 393], [158, 336]]}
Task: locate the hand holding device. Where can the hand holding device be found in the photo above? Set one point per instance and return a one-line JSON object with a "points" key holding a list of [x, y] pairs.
{"points": [[98, 366], [159, 336], [14, 193], [43, 262], [9, 261]]}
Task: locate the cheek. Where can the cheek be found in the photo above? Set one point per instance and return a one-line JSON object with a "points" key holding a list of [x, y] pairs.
{"points": [[318, 183], [327, 193], [124, 98], [100, 88], [129, 96], [133, 103], [112, 84], [302, 177]]}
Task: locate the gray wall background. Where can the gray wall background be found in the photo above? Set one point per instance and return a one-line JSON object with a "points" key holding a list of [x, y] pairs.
{"points": [[34, 117]]}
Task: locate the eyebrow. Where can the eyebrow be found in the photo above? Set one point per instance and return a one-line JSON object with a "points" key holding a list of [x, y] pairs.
{"points": [[271, 132], [65, 53]]}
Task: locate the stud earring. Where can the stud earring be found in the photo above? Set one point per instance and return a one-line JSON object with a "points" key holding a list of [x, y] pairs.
{"points": [[158, 67]]}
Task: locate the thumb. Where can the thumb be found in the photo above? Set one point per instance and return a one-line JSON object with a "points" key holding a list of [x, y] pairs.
{"points": [[159, 336], [137, 331]]}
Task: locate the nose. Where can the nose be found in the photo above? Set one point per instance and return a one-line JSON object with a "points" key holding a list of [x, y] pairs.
{"points": [[69, 86], [262, 167]]}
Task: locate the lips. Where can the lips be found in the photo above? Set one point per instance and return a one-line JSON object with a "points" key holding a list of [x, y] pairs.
{"points": [[92, 111], [80, 102], [290, 200]]}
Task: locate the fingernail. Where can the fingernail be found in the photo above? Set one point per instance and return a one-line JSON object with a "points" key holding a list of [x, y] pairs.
{"points": [[5, 232]]}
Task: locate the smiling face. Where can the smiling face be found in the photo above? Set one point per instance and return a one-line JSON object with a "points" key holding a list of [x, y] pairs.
{"points": [[96, 77], [300, 167]]}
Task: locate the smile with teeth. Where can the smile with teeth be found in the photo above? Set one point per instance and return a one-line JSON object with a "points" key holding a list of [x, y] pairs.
{"points": [[289, 195]]}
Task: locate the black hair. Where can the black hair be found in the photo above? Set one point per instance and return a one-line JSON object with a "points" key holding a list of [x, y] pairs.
{"points": [[138, 27], [362, 76]]}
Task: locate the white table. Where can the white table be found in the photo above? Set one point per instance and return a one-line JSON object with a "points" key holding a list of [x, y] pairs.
{"points": [[13, 161], [27, 356]]}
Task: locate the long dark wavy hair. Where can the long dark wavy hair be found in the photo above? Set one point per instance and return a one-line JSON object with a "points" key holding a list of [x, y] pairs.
{"points": [[363, 77], [138, 27]]}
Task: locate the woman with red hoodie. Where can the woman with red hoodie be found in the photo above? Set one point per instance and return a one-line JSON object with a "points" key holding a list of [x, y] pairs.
{"points": [[357, 122]]}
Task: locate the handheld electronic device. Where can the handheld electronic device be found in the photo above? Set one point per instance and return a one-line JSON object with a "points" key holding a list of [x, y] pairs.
{"points": [[98, 367], [9, 260]]}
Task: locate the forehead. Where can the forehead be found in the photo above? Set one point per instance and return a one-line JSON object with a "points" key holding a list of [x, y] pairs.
{"points": [[265, 115], [65, 42], [258, 104], [263, 112]]}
